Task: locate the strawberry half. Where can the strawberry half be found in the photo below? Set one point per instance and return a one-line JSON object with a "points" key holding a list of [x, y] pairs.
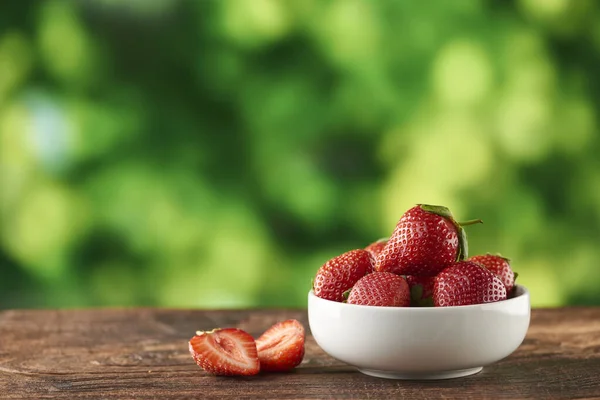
{"points": [[228, 351], [281, 347], [466, 283], [383, 289], [341, 273], [425, 240], [377, 247], [498, 265], [421, 290]]}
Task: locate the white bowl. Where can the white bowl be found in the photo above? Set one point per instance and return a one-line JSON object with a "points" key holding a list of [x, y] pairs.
{"points": [[420, 343]]}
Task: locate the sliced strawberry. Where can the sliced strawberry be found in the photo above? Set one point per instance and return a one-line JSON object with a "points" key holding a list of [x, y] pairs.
{"points": [[281, 347], [228, 351]]}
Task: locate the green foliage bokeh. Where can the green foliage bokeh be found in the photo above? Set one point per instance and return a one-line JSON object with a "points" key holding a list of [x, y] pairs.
{"points": [[216, 153]]}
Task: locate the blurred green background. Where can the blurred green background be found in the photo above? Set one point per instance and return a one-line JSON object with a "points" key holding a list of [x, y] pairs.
{"points": [[216, 153]]}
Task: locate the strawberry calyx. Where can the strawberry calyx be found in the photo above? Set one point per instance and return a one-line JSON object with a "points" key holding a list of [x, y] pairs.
{"points": [[499, 256], [346, 294], [416, 292], [427, 302], [463, 244], [200, 333], [438, 210], [444, 212], [416, 300]]}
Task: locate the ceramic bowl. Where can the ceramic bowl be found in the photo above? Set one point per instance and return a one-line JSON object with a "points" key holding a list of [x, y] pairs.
{"points": [[420, 343]]}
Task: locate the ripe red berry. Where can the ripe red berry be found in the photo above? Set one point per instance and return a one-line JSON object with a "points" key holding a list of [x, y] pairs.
{"points": [[375, 248], [499, 266], [381, 289], [425, 240], [466, 283], [339, 274]]}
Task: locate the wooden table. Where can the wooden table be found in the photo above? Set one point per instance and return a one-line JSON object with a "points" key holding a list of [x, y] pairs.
{"points": [[143, 353]]}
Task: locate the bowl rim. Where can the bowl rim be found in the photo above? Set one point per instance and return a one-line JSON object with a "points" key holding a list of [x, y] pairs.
{"points": [[521, 291]]}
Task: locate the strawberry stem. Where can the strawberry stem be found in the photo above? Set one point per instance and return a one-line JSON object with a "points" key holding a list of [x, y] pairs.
{"points": [[463, 246], [471, 222]]}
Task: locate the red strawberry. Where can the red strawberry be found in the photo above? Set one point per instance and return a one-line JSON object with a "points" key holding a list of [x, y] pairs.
{"points": [[426, 239], [281, 347], [421, 289], [341, 273], [465, 283], [228, 351], [381, 289], [498, 265], [376, 247]]}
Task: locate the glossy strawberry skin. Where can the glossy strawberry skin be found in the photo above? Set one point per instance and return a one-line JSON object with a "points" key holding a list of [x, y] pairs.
{"points": [[281, 347], [341, 273], [499, 266], [422, 244], [376, 248], [467, 283], [421, 290], [227, 352], [383, 289]]}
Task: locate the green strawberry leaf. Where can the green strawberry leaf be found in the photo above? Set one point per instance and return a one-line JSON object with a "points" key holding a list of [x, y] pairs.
{"points": [[346, 294], [416, 292], [501, 256], [438, 210], [428, 302], [444, 212], [463, 245]]}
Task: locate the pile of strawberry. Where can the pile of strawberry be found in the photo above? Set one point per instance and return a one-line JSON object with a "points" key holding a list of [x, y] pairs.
{"points": [[423, 263]]}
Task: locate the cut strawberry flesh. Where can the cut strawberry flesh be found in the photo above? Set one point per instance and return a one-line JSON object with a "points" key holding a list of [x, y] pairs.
{"points": [[225, 352], [281, 347]]}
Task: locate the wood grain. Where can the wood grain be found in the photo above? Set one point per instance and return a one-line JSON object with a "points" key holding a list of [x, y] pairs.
{"points": [[142, 353]]}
